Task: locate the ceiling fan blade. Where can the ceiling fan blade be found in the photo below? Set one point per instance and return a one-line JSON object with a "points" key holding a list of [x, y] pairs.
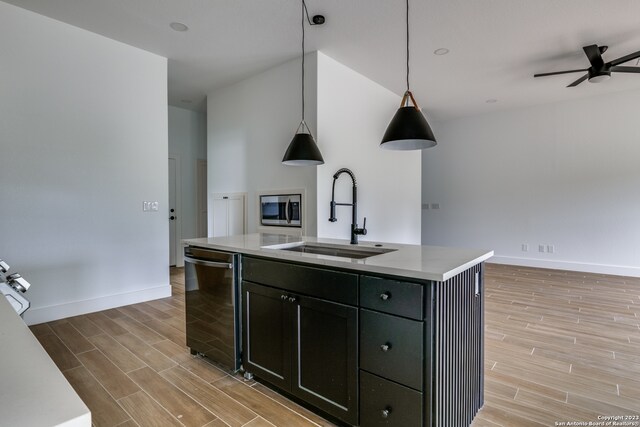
{"points": [[580, 80], [594, 56], [621, 69], [625, 58], [559, 72]]}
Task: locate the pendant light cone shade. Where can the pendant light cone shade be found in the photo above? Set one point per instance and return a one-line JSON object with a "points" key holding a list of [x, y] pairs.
{"points": [[408, 129], [302, 151]]}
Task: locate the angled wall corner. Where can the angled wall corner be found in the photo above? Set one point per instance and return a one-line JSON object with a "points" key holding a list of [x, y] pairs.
{"points": [[353, 113], [249, 127]]}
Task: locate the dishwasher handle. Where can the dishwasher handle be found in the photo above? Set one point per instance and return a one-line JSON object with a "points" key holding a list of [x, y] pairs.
{"points": [[208, 263]]}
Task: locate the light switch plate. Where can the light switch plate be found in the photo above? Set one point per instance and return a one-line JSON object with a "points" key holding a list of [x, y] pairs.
{"points": [[148, 206]]}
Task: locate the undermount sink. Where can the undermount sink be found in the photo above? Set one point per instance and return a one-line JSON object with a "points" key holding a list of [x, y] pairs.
{"points": [[344, 251]]}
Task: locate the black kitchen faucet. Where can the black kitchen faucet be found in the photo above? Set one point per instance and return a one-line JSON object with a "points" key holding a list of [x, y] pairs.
{"points": [[354, 206]]}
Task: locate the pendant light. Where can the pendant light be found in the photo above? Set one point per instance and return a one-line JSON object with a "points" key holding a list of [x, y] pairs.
{"points": [[302, 150], [408, 129]]}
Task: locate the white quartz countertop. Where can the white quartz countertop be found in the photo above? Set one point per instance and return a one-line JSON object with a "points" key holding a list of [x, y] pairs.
{"points": [[33, 391], [411, 261]]}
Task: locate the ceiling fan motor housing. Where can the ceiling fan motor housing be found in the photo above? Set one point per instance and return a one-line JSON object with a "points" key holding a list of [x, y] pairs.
{"points": [[597, 76]]}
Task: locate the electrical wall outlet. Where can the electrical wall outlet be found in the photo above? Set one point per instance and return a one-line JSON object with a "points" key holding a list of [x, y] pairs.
{"points": [[551, 249], [425, 206], [435, 205], [525, 247], [540, 248]]}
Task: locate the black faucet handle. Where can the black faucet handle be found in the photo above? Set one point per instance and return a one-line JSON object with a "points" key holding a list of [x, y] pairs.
{"points": [[361, 231]]}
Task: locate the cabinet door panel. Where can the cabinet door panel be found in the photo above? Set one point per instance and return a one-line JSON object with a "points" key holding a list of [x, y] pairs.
{"points": [[220, 218], [326, 357], [267, 334], [235, 216]]}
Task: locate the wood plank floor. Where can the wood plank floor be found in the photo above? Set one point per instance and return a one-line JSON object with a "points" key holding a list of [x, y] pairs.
{"points": [[560, 346]]}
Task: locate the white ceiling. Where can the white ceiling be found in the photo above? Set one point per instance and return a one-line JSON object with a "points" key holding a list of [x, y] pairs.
{"points": [[495, 45]]}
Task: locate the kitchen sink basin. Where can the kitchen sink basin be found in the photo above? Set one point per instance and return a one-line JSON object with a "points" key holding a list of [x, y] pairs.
{"points": [[344, 251]]}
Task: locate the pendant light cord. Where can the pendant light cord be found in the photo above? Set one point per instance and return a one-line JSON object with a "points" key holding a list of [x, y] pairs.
{"points": [[304, 7], [407, 45], [305, 13]]}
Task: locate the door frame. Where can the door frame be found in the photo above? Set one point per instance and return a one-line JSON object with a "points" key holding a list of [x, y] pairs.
{"points": [[201, 203], [178, 242]]}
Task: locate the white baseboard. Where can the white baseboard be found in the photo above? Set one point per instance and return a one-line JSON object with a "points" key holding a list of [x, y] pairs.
{"points": [[37, 315], [617, 270]]}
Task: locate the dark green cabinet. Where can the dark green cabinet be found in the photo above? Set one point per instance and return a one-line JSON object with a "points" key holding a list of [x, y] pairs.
{"points": [[325, 349], [304, 345], [369, 350], [385, 403], [267, 336]]}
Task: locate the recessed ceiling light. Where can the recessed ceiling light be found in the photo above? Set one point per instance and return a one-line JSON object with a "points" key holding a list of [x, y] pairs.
{"points": [[178, 26], [441, 51], [491, 101], [186, 101]]}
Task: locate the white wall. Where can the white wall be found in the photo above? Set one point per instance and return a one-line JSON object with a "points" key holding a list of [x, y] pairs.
{"points": [[188, 140], [353, 113], [564, 174], [83, 141], [249, 127]]}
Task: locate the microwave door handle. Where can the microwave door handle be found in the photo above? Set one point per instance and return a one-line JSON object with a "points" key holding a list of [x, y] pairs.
{"points": [[288, 207]]}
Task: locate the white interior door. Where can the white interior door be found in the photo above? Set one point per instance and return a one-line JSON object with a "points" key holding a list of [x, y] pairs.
{"points": [[172, 211]]}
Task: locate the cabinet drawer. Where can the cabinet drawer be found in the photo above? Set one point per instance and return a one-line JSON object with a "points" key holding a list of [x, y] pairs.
{"points": [[383, 403], [392, 347], [317, 282], [392, 296]]}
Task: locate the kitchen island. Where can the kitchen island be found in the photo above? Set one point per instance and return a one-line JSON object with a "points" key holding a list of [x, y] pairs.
{"points": [[368, 334]]}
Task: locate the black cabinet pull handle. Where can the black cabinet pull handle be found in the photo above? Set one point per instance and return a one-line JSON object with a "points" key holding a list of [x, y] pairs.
{"points": [[386, 412], [385, 347], [385, 296]]}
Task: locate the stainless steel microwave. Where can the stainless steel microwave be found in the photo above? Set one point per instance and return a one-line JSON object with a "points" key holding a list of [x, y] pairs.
{"points": [[283, 210]]}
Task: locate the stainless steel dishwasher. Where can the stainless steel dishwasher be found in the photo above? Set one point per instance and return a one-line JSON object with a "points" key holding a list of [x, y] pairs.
{"points": [[212, 305]]}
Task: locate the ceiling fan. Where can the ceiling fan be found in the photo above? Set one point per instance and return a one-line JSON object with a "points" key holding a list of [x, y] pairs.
{"points": [[599, 70]]}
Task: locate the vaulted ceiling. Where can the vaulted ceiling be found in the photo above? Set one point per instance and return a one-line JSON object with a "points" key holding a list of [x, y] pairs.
{"points": [[495, 46]]}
